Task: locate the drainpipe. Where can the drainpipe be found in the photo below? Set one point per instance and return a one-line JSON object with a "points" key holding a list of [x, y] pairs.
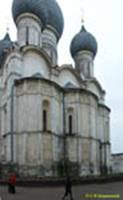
{"points": [[105, 156], [100, 147], [12, 123], [64, 134]]}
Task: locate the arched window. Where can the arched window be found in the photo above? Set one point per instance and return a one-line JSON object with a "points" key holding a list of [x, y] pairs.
{"points": [[45, 116], [44, 120], [70, 121], [70, 124], [27, 35]]}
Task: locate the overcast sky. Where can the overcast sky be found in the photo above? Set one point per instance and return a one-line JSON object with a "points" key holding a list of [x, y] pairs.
{"points": [[104, 20]]}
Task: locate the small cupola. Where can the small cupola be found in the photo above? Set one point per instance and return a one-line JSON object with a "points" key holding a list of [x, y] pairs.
{"points": [[83, 49], [5, 45]]}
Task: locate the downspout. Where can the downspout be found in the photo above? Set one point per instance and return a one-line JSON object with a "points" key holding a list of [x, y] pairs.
{"points": [[105, 154], [12, 123], [100, 148], [64, 134], [77, 148]]}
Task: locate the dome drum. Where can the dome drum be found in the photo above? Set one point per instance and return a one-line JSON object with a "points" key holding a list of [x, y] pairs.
{"points": [[53, 30], [49, 45], [29, 30], [32, 17]]}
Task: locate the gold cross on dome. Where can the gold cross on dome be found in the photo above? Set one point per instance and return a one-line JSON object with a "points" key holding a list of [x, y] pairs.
{"points": [[82, 17], [7, 25]]}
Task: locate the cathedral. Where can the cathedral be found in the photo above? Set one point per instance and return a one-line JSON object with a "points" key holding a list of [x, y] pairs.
{"points": [[52, 118]]}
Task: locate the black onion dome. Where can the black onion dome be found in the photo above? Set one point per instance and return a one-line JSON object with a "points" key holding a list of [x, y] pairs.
{"points": [[55, 16], [5, 44], [36, 7], [83, 41]]}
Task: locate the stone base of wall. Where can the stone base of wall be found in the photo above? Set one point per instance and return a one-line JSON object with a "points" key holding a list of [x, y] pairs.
{"points": [[7, 168], [57, 169], [32, 171]]}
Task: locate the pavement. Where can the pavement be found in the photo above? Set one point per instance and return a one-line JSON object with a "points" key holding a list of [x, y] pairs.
{"points": [[107, 191]]}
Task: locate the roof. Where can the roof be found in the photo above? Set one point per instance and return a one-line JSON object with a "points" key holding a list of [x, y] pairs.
{"points": [[5, 44], [83, 41], [48, 11]]}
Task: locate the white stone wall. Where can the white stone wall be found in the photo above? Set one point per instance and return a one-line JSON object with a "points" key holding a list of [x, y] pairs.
{"points": [[14, 63], [67, 76], [84, 63], [104, 135], [72, 150], [11, 71], [32, 36], [83, 146], [34, 63], [117, 163], [32, 147], [94, 88]]}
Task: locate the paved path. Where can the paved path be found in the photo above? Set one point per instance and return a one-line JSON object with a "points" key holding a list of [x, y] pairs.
{"points": [[79, 192]]}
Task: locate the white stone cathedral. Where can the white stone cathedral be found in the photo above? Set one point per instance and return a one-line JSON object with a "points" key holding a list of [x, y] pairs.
{"points": [[50, 116]]}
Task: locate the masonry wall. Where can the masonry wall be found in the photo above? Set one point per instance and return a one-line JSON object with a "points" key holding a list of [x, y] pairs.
{"points": [[104, 137], [117, 163], [36, 150], [83, 146]]}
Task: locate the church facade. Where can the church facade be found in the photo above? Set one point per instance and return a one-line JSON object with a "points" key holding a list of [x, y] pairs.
{"points": [[51, 116]]}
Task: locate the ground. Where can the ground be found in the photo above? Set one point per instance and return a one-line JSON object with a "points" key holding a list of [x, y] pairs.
{"points": [[56, 193]]}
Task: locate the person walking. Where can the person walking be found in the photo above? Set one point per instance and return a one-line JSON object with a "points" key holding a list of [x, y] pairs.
{"points": [[12, 183], [68, 189]]}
